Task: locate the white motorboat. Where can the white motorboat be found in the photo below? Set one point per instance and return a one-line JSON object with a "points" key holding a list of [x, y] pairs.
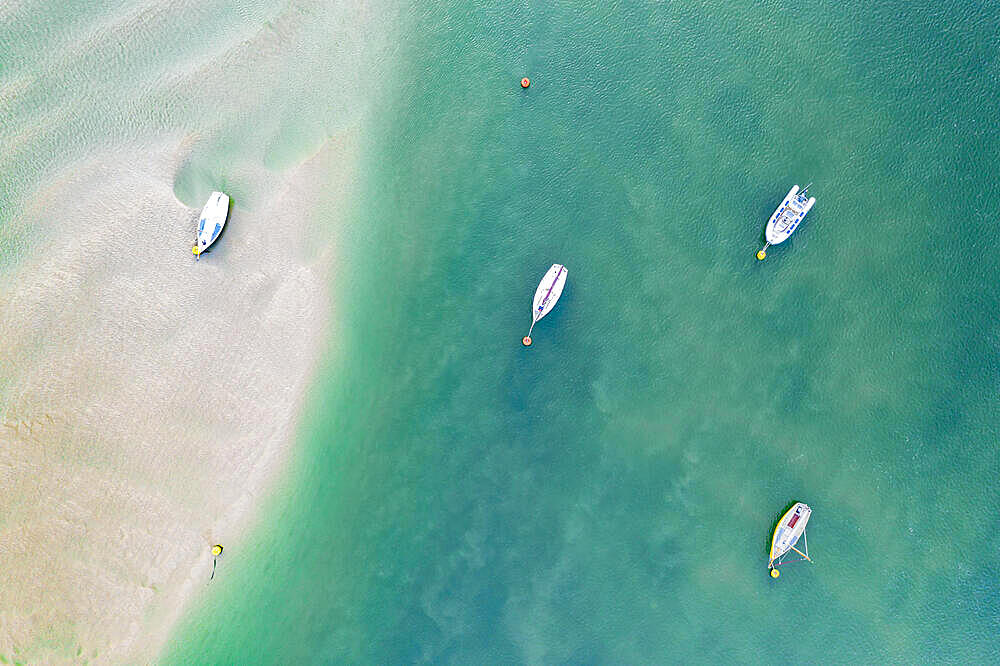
{"points": [[213, 218], [786, 218], [790, 529], [548, 292]]}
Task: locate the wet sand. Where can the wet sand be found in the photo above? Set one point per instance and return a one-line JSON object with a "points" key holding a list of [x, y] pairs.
{"points": [[150, 399]]}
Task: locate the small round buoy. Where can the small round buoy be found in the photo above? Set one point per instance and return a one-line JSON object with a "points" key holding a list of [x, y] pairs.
{"points": [[775, 573], [526, 341], [761, 255], [525, 82], [216, 550]]}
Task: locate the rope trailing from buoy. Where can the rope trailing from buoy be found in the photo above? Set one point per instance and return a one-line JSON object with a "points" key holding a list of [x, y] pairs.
{"points": [[216, 552], [526, 340]]}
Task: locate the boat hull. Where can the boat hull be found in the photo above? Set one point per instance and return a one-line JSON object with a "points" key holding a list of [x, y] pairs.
{"points": [[549, 290], [788, 531], [212, 221], [787, 216]]}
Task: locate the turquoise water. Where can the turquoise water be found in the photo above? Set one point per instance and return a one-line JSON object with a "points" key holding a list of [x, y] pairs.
{"points": [[608, 495]]}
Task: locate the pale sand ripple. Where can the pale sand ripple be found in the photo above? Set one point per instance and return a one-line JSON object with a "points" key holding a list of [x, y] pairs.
{"points": [[148, 399]]}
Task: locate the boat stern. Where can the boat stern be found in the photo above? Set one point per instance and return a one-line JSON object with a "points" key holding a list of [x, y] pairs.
{"points": [[787, 216], [217, 208]]}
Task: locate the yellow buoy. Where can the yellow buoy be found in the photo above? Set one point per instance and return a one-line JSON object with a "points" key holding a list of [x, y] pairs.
{"points": [[195, 249], [761, 255], [774, 573], [216, 550]]}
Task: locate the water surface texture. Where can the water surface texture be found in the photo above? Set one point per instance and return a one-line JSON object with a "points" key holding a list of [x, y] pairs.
{"points": [[608, 495]]}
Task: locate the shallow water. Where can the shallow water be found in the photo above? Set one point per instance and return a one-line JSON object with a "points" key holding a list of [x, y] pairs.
{"points": [[146, 397], [608, 495]]}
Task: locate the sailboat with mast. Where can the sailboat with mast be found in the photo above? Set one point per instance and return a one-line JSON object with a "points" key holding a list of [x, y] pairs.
{"points": [[790, 529], [213, 219], [548, 292]]}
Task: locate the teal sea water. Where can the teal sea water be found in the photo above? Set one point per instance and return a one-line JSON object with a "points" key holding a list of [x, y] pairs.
{"points": [[608, 495]]}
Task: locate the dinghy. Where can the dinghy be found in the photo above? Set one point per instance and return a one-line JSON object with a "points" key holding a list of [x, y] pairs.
{"points": [[213, 218], [548, 292], [786, 218], [791, 527]]}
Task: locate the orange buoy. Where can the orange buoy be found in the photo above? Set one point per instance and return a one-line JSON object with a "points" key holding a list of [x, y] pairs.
{"points": [[526, 341], [525, 82]]}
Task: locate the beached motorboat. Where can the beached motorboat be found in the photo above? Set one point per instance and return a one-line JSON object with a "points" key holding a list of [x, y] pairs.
{"points": [[791, 527], [548, 292], [213, 218], [786, 218]]}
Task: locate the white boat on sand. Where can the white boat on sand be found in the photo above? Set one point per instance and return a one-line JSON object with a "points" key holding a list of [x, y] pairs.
{"points": [[548, 292], [786, 217], [213, 219], [790, 529]]}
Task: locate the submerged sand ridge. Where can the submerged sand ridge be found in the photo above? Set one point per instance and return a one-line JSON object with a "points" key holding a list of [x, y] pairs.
{"points": [[147, 397]]}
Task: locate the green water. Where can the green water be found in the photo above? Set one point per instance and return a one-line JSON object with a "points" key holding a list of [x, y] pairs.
{"points": [[608, 495]]}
